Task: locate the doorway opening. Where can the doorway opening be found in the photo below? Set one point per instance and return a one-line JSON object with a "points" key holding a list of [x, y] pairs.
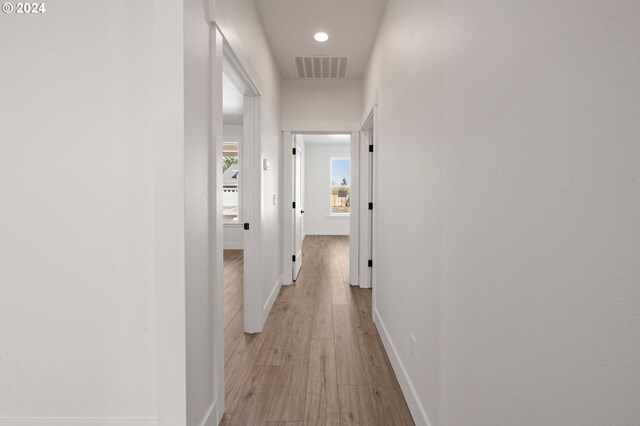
{"points": [[232, 213], [240, 163], [367, 189], [234, 239], [318, 174]]}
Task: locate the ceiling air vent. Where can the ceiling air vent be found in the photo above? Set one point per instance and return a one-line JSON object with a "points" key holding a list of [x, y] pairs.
{"points": [[321, 66]]}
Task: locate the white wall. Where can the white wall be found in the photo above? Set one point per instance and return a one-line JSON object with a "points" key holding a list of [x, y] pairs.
{"points": [[408, 153], [316, 190], [551, 170], [232, 133], [321, 105], [518, 271], [90, 159], [239, 22]]}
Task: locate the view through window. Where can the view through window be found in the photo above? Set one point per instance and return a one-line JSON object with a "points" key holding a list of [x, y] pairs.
{"points": [[340, 186], [231, 182]]}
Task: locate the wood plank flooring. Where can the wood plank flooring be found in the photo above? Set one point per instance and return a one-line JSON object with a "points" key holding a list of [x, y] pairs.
{"points": [[319, 359]]}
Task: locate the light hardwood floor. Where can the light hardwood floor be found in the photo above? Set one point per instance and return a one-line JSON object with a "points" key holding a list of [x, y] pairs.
{"points": [[319, 359]]}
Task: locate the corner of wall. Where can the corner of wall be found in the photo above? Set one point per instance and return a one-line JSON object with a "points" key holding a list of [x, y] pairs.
{"points": [[418, 412], [271, 299], [213, 417], [369, 101]]}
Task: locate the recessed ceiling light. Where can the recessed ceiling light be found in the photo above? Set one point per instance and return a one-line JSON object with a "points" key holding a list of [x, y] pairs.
{"points": [[321, 37]]}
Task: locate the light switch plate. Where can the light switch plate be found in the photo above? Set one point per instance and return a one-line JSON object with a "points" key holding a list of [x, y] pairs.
{"points": [[265, 164]]}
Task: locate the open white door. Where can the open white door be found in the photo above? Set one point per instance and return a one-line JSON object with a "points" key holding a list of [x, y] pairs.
{"points": [[298, 212], [366, 186], [369, 282]]}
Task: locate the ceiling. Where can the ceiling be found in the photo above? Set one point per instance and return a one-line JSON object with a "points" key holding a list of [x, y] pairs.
{"points": [[321, 138], [352, 26], [232, 102]]}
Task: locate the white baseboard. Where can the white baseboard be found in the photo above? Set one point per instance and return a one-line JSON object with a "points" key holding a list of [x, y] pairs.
{"points": [[271, 300], [80, 421], [233, 246], [210, 419], [417, 410], [326, 232]]}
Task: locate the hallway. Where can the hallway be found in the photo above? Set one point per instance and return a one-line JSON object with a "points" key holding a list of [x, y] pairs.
{"points": [[319, 359]]}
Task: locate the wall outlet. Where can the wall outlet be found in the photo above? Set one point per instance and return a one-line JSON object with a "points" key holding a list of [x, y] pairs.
{"points": [[412, 346]]}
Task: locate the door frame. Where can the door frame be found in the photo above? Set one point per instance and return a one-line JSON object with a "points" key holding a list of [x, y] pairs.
{"points": [[251, 195], [287, 200], [367, 177], [224, 61], [299, 160], [287, 196]]}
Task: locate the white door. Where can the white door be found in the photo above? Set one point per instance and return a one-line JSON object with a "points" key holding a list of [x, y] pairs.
{"points": [[250, 169], [298, 209], [366, 210], [369, 281]]}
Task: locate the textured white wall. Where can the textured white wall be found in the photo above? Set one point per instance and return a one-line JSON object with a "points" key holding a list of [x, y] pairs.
{"points": [[240, 24], [405, 68], [316, 190], [542, 184], [321, 105], [232, 133], [80, 247], [518, 272]]}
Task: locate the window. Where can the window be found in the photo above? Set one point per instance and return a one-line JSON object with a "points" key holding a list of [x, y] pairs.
{"points": [[340, 186], [231, 182]]}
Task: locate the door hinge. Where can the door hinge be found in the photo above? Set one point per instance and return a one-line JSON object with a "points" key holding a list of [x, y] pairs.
{"points": [[294, 151], [246, 226], [370, 206], [293, 205], [370, 148], [293, 258], [370, 263]]}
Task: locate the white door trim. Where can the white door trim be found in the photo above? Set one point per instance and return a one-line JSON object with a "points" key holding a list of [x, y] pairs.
{"points": [[287, 194], [224, 61], [251, 187], [371, 124], [363, 243], [216, 268], [287, 200], [366, 246]]}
